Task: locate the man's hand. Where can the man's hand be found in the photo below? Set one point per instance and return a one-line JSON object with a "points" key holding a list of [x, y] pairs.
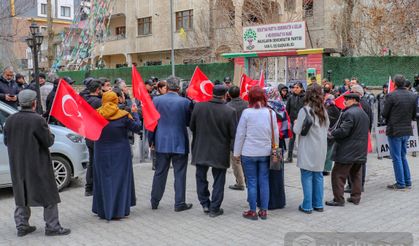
{"points": [[10, 98], [236, 158]]}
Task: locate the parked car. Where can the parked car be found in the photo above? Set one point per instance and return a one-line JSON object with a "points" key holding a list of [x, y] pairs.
{"points": [[69, 153]]}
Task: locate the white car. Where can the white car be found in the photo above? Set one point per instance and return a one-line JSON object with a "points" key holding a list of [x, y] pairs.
{"points": [[69, 153]]}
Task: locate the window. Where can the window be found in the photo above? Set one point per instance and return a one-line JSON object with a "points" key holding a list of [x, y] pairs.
{"points": [[65, 11], [184, 19], [144, 26], [308, 7], [43, 8], [120, 32], [153, 63]]}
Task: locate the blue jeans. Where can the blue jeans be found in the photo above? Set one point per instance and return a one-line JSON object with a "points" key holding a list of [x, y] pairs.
{"points": [[256, 170], [398, 149], [312, 183]]}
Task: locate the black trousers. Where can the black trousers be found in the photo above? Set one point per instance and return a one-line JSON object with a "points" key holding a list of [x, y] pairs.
{"points": [[22, 215], [292, 142], [89, 171], [217, 197], [180, 163]]}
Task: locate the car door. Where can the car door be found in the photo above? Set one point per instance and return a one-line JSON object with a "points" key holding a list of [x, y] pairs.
{"points": [[5, 177]]}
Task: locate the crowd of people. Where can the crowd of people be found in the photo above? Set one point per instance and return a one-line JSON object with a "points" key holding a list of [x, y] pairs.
{"points": [[226, 131]]}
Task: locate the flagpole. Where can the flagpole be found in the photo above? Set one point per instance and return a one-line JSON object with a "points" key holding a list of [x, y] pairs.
{"points": [[172, 38], [53, 101]]}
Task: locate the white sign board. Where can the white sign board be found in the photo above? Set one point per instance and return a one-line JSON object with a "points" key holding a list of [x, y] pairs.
{"points": [[383, 148], [278, 36]]}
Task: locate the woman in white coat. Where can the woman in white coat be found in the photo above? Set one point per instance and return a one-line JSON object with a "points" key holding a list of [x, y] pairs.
{"points": [[312, 149]]}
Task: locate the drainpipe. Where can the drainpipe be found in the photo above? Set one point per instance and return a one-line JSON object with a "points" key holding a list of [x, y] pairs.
{"points": [[12, 8]]}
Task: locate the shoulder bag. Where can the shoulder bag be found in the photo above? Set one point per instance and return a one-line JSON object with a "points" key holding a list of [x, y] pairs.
{"points": [[306, 123], [276, 158]]}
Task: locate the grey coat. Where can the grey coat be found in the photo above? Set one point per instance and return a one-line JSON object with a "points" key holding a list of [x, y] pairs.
{"points": [[312, 148], [28, 138]]}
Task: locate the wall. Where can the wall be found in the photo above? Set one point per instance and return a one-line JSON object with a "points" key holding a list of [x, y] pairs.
{"points": [[371, 70]]}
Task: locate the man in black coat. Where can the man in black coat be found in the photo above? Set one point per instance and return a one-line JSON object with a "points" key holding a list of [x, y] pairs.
{"points": [[399, 112], [8, 87], [351, 137], [32, 172], [213, 125], [93, 99], [294, 103], [238, 105]]}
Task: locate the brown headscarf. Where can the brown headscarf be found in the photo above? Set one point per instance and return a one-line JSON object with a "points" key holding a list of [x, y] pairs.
{"points": [[109, 109]]}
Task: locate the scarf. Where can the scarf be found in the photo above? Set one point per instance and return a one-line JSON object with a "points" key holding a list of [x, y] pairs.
{"points": [[110, 109]]}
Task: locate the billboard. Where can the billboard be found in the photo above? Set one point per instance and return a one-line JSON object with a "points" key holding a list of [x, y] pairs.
{"points": [[279, 36]]}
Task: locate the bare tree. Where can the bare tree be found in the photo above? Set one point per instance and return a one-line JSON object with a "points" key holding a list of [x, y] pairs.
{"points": [[376, 27]]}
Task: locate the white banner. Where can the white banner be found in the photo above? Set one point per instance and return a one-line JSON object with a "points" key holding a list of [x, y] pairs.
{"points": [[278, 36], [383, 148]]}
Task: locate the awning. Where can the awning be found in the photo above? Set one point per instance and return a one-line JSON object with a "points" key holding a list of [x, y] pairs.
{"points": [[280, 53]]}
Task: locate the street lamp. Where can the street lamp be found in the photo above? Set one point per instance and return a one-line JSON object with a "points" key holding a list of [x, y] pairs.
{"points": [[34, 42]]}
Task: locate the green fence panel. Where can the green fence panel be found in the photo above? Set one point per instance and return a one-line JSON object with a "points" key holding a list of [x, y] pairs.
{"points": [[372, 71], [214, 71]]}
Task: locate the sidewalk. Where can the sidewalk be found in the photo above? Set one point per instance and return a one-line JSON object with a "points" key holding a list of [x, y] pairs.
{"points": [[380, 210]]}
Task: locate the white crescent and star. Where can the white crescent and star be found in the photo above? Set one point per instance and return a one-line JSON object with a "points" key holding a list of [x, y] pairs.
{"points": [[64, 100], [202, 87]]}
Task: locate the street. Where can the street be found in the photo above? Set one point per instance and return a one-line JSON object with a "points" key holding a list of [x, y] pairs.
{"points": [[380, 210]]}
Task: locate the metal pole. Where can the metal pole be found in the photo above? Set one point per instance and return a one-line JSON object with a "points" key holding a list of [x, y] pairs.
{"points": [[36, 68], [172, 38]]}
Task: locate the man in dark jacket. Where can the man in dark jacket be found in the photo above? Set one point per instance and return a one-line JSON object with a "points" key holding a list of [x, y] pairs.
{"points": [[351, 137], [93, 99], [171, 142], [32, 173], [381, 121], [239, 105], [294, 103], [8, 87], [399, 112], [213, 125], [20, 81]]}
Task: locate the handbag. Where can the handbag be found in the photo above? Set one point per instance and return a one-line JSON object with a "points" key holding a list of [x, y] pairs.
{"points": [[276, 161], [306, 123]]}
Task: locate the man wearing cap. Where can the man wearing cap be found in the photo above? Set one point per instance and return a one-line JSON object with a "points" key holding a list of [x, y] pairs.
{"points": [[171, 143], [32, 174], [8, 87], [399, 112], [351, 137], [213, 125]]}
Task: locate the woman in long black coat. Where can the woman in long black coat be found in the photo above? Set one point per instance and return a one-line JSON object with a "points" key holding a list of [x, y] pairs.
{"points": [[113, 179]]}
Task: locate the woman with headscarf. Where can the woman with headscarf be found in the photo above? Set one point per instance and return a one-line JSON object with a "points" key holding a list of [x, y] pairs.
{"points": [[276, 178], [113, 179]]}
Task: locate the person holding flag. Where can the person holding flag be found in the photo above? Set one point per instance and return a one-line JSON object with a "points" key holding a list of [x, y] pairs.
{"points": [[113, 177], [171, 143]]}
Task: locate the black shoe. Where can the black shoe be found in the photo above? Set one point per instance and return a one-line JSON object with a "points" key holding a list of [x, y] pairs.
{"points": [[154, 206], [396, 187], [408, 187], [25, 231], [318, 209], [206, 210], [335, 204], [304, 211], [60, 232], [184, 207], [326, 173], [88, 193], [236, 187], [214, 214], [288, 160], [352, 201], [348, 189]]}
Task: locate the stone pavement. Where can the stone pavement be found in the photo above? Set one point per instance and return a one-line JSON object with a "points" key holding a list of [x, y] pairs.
{"points": [[381, 210]]}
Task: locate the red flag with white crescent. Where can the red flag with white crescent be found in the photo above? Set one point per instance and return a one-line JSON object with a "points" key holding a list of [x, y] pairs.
{"points": [[391, 86], [75, 113], [200, 87], [245, 84], [150, 114], [339, 101]]}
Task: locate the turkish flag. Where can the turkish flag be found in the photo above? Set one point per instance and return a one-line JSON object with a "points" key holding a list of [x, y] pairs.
{"points": [[262, 79], [150, 114], [246, 83], [200, 87], [75, 113], [339, 101], [391, 86]]}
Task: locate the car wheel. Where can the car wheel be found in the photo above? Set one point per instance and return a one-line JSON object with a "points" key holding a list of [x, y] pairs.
{"points": [[62, 171]]}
